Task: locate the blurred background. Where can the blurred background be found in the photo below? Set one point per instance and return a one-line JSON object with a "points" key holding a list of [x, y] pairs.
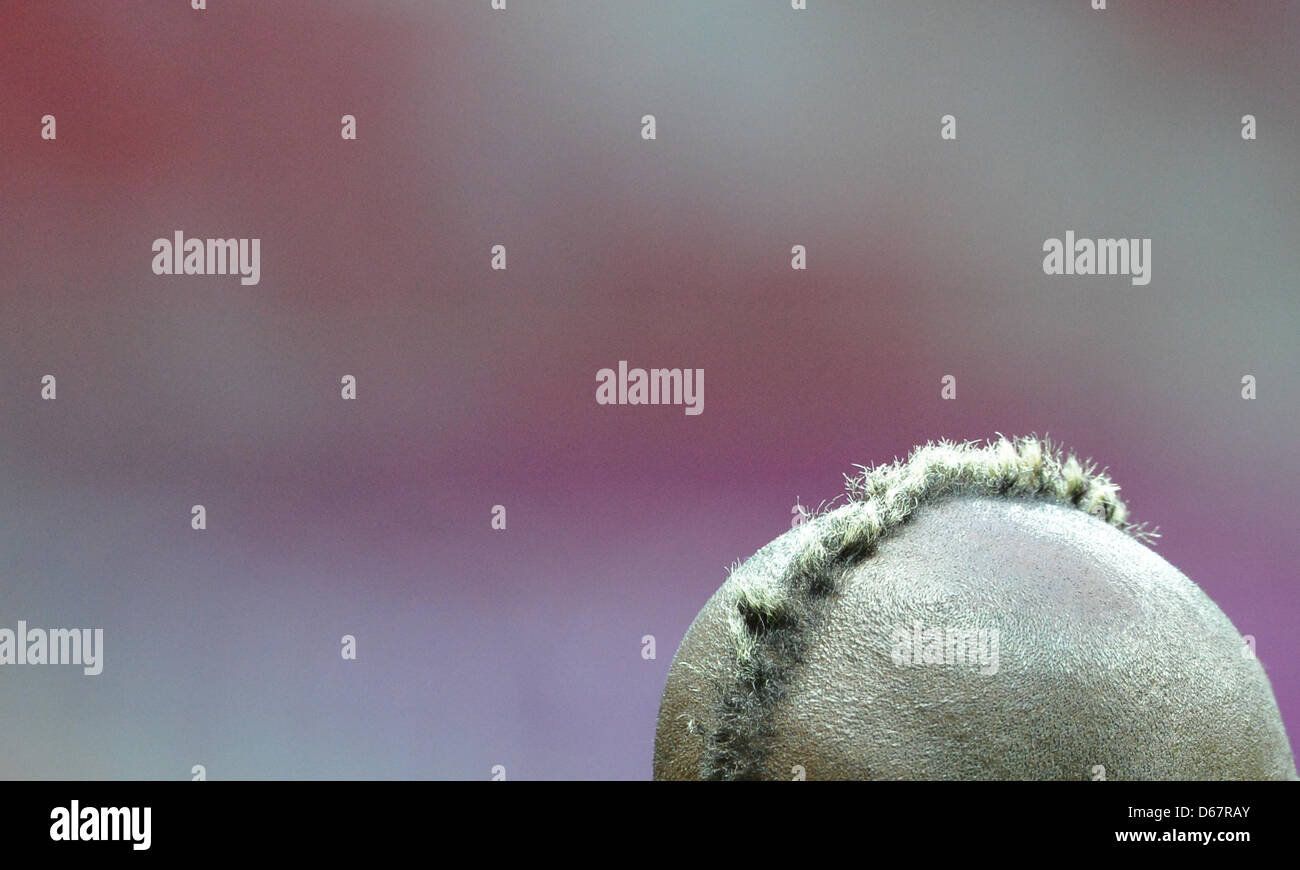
{"points": [[476, 387]]}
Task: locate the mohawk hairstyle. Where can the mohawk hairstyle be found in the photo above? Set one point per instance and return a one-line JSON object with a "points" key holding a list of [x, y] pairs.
{"points": [[768, 628]]}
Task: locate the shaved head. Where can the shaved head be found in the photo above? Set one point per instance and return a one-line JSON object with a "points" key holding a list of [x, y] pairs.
{"points": [[977, 612]]}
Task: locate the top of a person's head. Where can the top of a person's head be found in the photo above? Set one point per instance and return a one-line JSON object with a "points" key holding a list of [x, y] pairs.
{"points": [[848, 646]]}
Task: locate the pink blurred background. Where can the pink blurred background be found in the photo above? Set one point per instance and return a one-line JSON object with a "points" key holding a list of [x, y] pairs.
{"points": [[476, 387]]}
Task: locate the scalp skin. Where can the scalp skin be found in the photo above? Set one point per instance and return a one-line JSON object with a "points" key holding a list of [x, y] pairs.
{"points": [[1108, 656]]}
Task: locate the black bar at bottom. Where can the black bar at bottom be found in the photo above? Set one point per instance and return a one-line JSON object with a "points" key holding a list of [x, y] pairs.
{"points": [[334, 819]]}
